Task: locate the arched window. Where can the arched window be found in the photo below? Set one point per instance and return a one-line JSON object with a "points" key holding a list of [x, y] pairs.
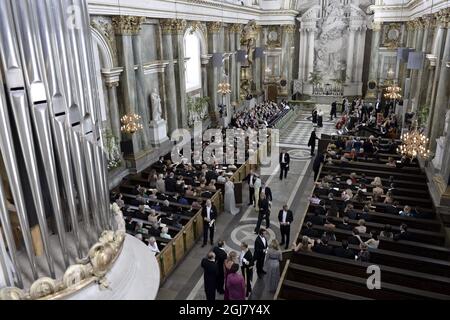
{"points": [[193, 63]]}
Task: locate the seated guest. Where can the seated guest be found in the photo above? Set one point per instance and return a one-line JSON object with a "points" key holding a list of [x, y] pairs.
{"points": [[142, 197], [389, 198], [141, 214], [152, 178], [221, 178], [171, 183], [393, 208], [328, 224], [309, 231], [343, 251], [182, 200], [212, 185], [152, 217], [316, 219], [350, 212], [139, 236], [377, 182], [363, 179], [373, 241], [391, 163], [154, 230], [314, 199], [344, 225], [406, 212], [361, 226], [161, 184], [153, 195], [305, 245], [189, 191], [353, 178], [321, 246], [119, 201], [404, 234], [164, 233], [364, 254], [359, 196], [321, 209], [387, 232], [153, 245], [329, 235], [355, 238], [377, 192], [351, 155]]}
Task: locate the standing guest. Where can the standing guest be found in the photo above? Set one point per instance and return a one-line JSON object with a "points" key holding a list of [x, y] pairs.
{"points": [[333, 111], [120, 201], [229, 262], [314, 116], [285, 217], [320, 118], [229, 198], [210, 272], [209, 215], [274, 257], [251, 187], [260, 252], [267, 192], [264, 213], [152, 178], [320, 158], [221, 256], [235, 284], [257, 187], [312, 141], [153, 245], [160, 184], [284, 164], [246, 262]]}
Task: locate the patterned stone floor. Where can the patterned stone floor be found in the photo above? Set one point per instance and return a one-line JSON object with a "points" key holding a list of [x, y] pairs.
{"points": [[186, 282]]}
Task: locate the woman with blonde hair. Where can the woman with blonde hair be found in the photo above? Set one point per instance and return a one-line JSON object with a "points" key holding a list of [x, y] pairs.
{"points": [[228, 263], [305, 245], [273, 259], [377, 182]]}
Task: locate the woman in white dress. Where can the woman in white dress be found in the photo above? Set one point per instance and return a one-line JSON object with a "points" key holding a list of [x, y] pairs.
{"points": [[257, 186], [229, 199]]}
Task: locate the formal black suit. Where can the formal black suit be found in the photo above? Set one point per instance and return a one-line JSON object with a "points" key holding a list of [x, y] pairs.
{"points": [[260, 254], [333, 110], [311, 233], [285, 229], [210, 272], [264, 213], [312, 142], [250, 179], [247, 270], [284, 166], [322, 248], [344, 253], [171, 184], [221, 256], [316, 165], [206, 227], [267, 192]]}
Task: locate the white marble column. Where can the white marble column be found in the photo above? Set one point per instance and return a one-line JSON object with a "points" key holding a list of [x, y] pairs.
{"points": [[112, 78], [361, 41], [415, 73], [443, 88], [374, 57], [350, 54], [180, 74], [169, 79], [287, 34], [302, 55], [308, 87], [214, 74]]}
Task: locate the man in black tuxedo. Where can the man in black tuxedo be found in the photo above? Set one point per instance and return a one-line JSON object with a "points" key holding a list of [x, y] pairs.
{"points": [[320, 158], [312, 141], [250, 179], [171, 183], [210, 272], [345, 225], [264, 213], [333, 110], [209, 215], [284, 164], [285, 217], [309, 231], [246, 262], [221, 256], [344, 251], [267, 192], [378, 107], [260, 252]]}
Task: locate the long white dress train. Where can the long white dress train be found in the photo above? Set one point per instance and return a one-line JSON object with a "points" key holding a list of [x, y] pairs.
{"points": [[229, 199]]}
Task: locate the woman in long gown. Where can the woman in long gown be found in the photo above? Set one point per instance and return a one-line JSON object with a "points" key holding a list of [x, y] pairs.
{"points": [[229, 262], [235, 284], [257, 186], [272, 264], [229, 199]]}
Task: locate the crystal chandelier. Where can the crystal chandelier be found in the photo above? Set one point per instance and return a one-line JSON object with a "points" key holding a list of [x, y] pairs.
{"points": [[414, 144], [130, 123], [224, 88], [393, 92]]}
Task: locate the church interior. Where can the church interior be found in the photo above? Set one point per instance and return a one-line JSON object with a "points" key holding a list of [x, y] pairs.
{"points": [[224, 149]]}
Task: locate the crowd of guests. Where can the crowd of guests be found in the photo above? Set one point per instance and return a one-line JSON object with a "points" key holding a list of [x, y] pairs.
{"points": [[261, 116], [358, 113], [230, 273]]}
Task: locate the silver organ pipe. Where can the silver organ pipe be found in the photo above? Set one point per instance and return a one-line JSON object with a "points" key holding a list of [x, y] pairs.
{"points": [[49, 106]]}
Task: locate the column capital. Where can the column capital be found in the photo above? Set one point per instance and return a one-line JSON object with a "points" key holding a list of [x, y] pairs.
{"points": [[127, 25], [112, 76], [443, 18], [410, 25], [179, 26], [418, 23], [205, 58], [214, 27], [166, 26], [236, 28], [288, 28], [429, 21]]}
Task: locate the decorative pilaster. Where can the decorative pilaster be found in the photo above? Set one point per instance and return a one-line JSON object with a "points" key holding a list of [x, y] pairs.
{"points": [[169, 79], [374, 55], [179, 28], [236, 30], [287, 41], [111, 78], [214, 29]]}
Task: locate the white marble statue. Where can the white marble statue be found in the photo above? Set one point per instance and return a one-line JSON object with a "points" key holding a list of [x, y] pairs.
{"points": [[156, 105]]}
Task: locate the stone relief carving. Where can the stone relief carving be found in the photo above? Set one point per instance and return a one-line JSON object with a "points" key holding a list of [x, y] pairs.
{"points": [[392, 35], [330, 46], [105, 27]]}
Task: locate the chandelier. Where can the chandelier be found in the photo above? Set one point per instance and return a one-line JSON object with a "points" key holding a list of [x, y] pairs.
{"points": [[130, 123], [393, 92], [224, 88], [414, 144]]}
